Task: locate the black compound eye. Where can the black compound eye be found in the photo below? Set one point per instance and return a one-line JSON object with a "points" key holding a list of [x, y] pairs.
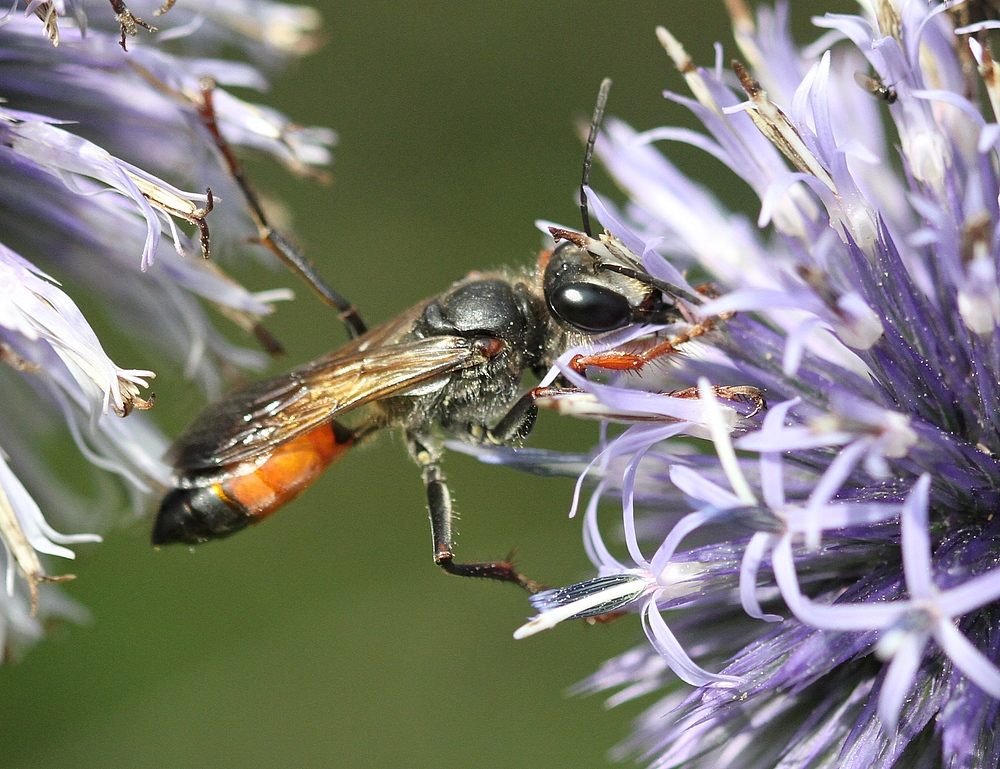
{"points": [[590, 307]]}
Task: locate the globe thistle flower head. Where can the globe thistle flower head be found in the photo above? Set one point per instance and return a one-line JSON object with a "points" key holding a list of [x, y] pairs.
{"points": [[822, 571], [112, 186]]}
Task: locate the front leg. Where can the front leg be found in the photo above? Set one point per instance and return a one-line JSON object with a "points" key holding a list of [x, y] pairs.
{"points": [[516, 424], [428, 456], [513, 427]]}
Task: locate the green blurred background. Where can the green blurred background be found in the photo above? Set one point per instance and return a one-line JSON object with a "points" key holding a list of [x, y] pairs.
{"points": [[326, 637]]}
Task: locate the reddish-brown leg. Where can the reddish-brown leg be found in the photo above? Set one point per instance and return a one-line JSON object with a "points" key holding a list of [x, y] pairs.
{"points": [[746, 394], [621, 359]]}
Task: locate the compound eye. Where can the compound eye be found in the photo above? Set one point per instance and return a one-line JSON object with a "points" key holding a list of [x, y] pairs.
{"points": [[590, 307]]}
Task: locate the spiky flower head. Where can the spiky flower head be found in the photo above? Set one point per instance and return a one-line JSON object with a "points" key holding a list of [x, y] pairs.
{"points": [[108, 175], [817, 574]]}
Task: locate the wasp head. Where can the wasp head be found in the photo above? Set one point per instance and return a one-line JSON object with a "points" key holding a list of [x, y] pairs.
{"points": [[596, 285]]}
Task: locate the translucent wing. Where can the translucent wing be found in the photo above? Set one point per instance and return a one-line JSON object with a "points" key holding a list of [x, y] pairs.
{"points": [[252, 421]]}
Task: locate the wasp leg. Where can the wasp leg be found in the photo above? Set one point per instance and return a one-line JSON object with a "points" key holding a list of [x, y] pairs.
{"points": [[512, 428], [516, 424], [439, 505], [746, 394], [269, 236], [635, 360]]}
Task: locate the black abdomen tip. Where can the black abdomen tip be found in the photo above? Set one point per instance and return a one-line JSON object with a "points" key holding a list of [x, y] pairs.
{"points": [[190, 516]]}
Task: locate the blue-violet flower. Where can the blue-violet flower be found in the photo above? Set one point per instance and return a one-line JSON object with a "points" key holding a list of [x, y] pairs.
{"points": [[824, 571], [106, 160]]}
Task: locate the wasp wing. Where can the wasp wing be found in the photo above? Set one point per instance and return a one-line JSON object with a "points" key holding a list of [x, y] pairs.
{"points": [[249, 423]]}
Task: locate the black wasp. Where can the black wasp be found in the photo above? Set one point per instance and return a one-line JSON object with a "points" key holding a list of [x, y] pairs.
{"points": [[449, 367]]}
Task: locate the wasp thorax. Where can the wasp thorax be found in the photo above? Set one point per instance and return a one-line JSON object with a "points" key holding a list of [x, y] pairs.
{"points": [[477, 308]]}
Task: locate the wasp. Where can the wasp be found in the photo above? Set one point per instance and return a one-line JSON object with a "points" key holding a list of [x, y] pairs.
{"points": [[449, 367]]}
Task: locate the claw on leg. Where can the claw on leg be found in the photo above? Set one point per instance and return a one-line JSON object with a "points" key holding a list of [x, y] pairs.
{"points": [[502, 571]]}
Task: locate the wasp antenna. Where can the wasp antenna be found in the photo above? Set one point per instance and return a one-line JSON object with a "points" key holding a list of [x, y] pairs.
{"points": [[588, 158]]}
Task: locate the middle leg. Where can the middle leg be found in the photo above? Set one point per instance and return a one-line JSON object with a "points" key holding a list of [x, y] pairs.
{"points": [[428, 458]]}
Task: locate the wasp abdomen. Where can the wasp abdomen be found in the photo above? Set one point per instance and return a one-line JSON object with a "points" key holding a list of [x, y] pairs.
{"points": [[198, 514]]}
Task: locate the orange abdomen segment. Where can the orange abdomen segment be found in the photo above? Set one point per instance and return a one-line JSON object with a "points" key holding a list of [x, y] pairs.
{"points": [[287, 472], [193, 514]]}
